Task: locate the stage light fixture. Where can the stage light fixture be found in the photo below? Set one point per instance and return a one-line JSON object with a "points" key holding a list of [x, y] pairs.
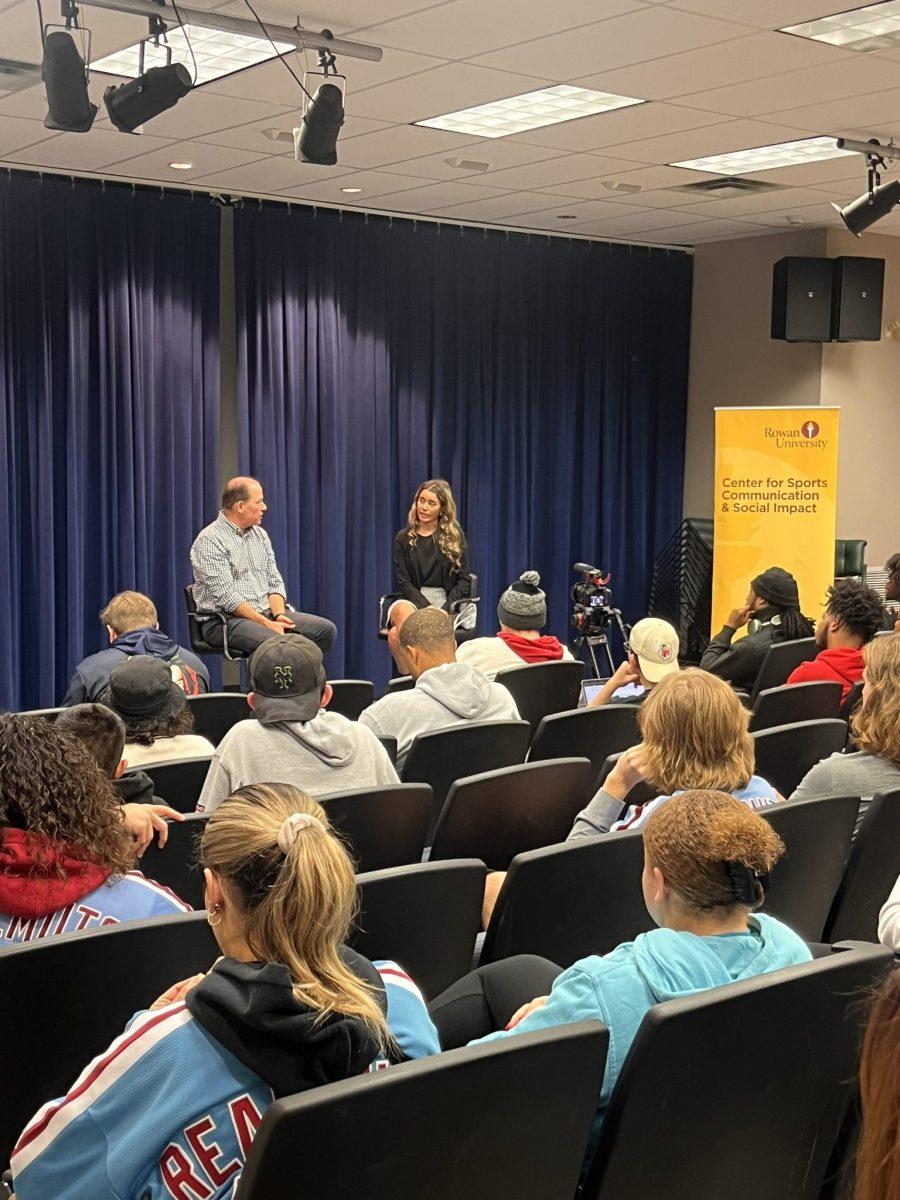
{"points": [[877, 201], [69, 107], [315, 138], [132, 104]]}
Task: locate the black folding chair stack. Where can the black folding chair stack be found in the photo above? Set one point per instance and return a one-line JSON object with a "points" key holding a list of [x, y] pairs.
{"points": [[499, 814], [592, 733], [785, 754], [382, 826], [179, 782], [424, 917], [177, 864], [458, 1124], [350, 696], [781, 659], [872, 869], [796, 702], [540, 689], [216, 712], [566, 902], [789, 1044], [64, 999]]}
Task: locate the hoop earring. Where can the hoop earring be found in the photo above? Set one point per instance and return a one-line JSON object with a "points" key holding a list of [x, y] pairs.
{"points": [[210, 913]]}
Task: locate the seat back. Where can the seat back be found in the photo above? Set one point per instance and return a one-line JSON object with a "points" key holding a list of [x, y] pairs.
{"points": [[215, 712], [442, 756], [437, 1128], [853, 698], [781, 659], [499, 814], [350, 696], [199, 644], [641, 793], [180, 782], [425, 917], [566, 902], [871, 871], [850, 557], [796, 702], [753, 1079], [177, 864], [816, 834], [382, 826], [390, 745], [785, 753], [400, 683], [64, 999], [540, 689], [592, 733]]}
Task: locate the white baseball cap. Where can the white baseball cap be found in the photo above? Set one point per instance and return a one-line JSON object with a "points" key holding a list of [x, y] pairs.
{"points": [[655, 643]]}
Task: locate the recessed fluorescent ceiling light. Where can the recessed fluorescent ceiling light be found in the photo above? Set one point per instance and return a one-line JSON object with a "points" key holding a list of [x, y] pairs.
{"points": [[531, 110], [217, 53], [766, 158], [876, 27]]}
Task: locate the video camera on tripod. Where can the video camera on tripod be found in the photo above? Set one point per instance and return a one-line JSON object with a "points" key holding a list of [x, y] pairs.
{"points": [[593, 612]]}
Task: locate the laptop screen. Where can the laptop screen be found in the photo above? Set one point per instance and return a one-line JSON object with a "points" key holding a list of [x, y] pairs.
{"points": [[590, 688]]}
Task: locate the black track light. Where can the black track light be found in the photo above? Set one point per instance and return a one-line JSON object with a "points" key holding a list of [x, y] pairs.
{"points": [[131, 104], [869, 208], [315, 139], [65, 79]]}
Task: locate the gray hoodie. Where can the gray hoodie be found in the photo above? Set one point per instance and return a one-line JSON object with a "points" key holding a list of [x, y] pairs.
{"points": [[450, 694], [327, 754]]}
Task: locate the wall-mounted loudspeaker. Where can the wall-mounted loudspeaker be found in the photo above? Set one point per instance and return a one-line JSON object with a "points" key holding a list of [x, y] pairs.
{"points": [[801, 300], [856, 297]]}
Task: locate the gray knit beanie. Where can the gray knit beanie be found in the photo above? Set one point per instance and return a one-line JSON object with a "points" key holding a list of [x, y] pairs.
{"points": [[523, 605]]}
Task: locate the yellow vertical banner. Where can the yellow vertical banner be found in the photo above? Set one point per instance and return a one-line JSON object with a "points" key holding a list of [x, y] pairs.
{"points": [[775, 502]]}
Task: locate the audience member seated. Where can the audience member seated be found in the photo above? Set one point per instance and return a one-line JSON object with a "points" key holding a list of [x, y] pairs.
{"points": [[294, 739], [652, 648], [102, 733], [158, 723], [707, 859], [889, 920], [773, 604], [694, 731], [66, 852], [173, 1108], [132, 627], [874, 766], [446, 693], [877, 1155], [522, 614], [853, 616]]}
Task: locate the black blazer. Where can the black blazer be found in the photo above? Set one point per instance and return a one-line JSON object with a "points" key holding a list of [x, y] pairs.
{"points": [[410, 572]]}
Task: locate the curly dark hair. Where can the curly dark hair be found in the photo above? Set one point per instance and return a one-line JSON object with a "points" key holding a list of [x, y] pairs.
{"points": [[51, 785], [145, 732], [857, 607]]}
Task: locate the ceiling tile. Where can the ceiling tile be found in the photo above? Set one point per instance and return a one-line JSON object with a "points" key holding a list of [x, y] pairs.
{"points": [[83, 151], [817, 174], [716, 139], [558, 170], [621, 226], [840, 116], [252, 136], [397, 143], [584, 212], [764, 14], [269, 176], [109, 30], [608, 129], [810, 214], [16, 132], [498, 208], [441, 90], [31, 103], [155, 164], [203, 112], [741, 206], [499, 153], [433, 196], [635, 37], [373, 183], [340, 15]]}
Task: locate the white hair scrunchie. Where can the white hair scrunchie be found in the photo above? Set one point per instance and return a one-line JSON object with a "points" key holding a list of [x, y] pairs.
{"points": [[291, 827]]}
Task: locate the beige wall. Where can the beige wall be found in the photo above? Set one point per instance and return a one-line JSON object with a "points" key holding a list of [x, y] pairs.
{"points": [[735, 361]]}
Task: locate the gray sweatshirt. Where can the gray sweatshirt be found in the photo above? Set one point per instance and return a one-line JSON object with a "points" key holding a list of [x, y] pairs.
{"points": [[451, 694], [856, 774], [327, 754]]}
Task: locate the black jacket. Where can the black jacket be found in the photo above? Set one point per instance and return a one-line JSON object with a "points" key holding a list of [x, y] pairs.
{"points": [[423, 565], [740, 663]]}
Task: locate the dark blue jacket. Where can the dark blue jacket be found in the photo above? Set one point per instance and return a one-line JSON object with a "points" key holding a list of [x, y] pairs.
{"points": [[92, 673]]}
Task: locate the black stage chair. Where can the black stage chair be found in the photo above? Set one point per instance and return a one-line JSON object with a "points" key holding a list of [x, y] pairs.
{"points": [[48, 714], [179, 782], [390, 744], [566, 902], [350, 696], [854, 696], [196, 620], [461, 1123], [424, 917], [795, 702], [442, 756], [382, 826], [499, 814], [400, 683], [784, 754], [871, 871], [64, 999], [540, 689], [782, 658], [456, 607], [177, 864], [744, 1087], [816, 834], [216, 712], [850, 558], [592, 733]]}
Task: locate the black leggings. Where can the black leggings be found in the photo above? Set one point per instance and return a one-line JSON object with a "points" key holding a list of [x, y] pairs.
{"points": [[484, 1000]]}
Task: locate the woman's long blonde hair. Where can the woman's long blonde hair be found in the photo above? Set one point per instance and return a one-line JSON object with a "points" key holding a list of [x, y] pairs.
{"points": [[449, 533], [694, 731], [298, 906], [876, 724]]}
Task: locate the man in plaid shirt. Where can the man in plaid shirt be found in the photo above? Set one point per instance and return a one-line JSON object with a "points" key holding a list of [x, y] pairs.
{"points": [[235, 574]]}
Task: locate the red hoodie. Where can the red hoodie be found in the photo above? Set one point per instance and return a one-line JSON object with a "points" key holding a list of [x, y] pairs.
{"points": [[843, 665], [29, 883], [533, 650]]}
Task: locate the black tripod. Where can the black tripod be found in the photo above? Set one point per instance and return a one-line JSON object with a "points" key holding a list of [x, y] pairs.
{"points": [[597, 636]]}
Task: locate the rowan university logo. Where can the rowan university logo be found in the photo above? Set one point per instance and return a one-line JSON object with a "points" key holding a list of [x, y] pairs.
{"points": [[284, 678], [810, 430]]}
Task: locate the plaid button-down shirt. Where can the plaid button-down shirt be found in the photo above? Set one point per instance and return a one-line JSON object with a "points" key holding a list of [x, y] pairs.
{"points": [[232, 566]]}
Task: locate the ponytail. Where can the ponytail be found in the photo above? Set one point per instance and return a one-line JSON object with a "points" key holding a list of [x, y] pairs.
{"points": [[793, 625]]}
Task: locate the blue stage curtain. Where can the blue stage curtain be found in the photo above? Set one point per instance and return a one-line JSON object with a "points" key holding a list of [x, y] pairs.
{"points": [[109, 409], [545, 379]]}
